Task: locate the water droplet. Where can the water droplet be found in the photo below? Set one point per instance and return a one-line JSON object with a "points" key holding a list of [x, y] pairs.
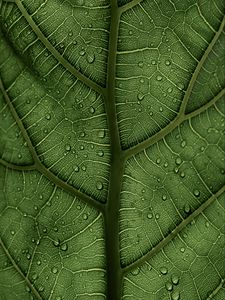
{"points": [[207, 224], [178, 161], [187, 208], [19, 156], [153, 62], [85, 216], [157, 216], [101, 133], [92, 110], [158, 160], [182, 174], [12, 232], [56, 243], [140, 96], [164, 270], [27, 289], [175, 279], [164, 197], [183, 144], [169, 286], [41, 288], [64, 247], [99, 185], [135, 272], [38, 262], [68, 147], [100, 153], [54, 270], [82, 52], [175, 295], [28, 256], [170, 90], [196, 193], [48, 116], [159, 77], [90, 58], [168, 62], [182, 249], [141, 64], [149, 216], [76, 168]]}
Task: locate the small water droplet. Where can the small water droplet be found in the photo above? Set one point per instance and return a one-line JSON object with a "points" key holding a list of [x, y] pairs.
{"points": [[187, 208], [100, 153], [175, 295], [182, 174], [175, 279], [168, 62], [76, 168], [135, 272], [48, 116], [164, 270], [85, 216], [140, 96], [178, 161], [182, 249], [38, 262], [149, 216], [68, 147], [158, 160], [54, 270], [157, 216], [99, 185], [141, 64], [170, 90], [169, 286], [82, 52], [90, 58], [28, 256], [64, 247], [56, 243], [92, 110], [41, 288], [183, 144], [207, 224], [196, 193], [164, 197], [101, 133], [159, 77], [153, 62], [12, 232]]}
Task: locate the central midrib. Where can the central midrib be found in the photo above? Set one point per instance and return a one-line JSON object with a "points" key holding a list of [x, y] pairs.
{"points": [[114, 272]]}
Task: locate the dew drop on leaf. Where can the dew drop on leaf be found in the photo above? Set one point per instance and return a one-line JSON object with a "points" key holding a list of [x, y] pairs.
{"points": [[168, 62], [169, 286], [164, 270], [159, 78], [141, 64], [68, 147], [54, 270], [64, 247], [140, 96], [48, 116], [56, 243], [178, 161], [175, 279], [85, 216], [101, 133], [90, 58], [92, 110], [100, 153], [187, 208], [135, 272], [99, 185], [175, 295], [149, 216], [196, 193]]}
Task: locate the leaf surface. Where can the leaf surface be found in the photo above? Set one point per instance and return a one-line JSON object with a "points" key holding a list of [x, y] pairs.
{"points": [[112, 149]]}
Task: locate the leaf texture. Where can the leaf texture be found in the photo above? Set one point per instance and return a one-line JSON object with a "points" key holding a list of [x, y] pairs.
{"points": [[112, 160]]}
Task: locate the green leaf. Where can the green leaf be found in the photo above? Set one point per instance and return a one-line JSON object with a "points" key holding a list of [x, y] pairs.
{"points": [[112, 141]]}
